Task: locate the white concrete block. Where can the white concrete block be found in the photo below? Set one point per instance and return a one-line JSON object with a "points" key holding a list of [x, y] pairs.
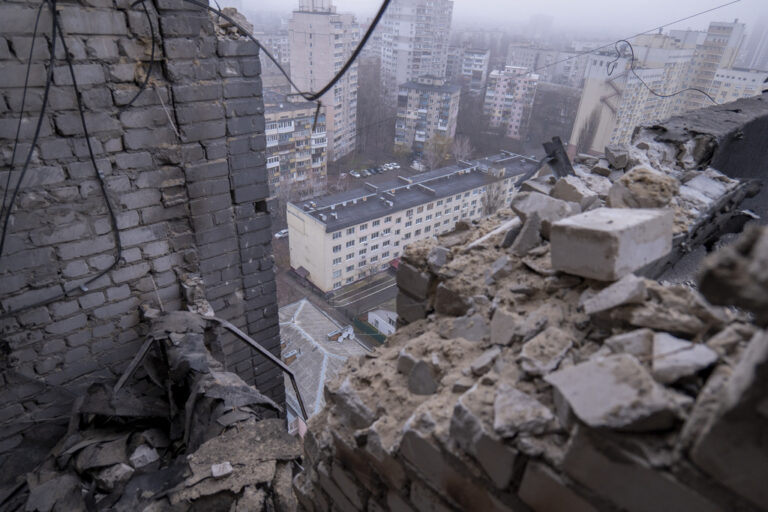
{"points": [[609, 243]]}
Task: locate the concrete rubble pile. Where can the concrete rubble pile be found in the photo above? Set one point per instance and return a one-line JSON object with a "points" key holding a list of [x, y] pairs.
{"points": [[187, 436], [538, 367]]}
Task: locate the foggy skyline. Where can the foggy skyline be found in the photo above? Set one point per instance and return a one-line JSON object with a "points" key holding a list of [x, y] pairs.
{"points": [[589, 16]]}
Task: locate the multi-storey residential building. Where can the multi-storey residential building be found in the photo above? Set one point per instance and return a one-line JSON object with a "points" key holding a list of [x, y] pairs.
{"points": [[614, 99], [732, 84], [279, 45], [754, 54], [337, 239], [321, 40], [296, 155], [474, 69], [509, 99], [718, 51], [553, 66], [414, 41], [426, 107]]}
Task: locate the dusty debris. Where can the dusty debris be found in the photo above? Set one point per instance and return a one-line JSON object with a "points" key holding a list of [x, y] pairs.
{"points": [[674, 358]]}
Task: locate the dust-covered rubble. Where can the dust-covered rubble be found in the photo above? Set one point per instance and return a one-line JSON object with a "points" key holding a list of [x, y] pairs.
{"points": [[516, 372]]}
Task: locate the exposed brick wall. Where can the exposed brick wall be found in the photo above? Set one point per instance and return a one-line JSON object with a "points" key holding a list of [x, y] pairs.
{"points": [[188, 202]]}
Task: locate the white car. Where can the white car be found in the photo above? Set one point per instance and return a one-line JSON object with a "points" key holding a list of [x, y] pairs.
{"points": [[282, 233]]}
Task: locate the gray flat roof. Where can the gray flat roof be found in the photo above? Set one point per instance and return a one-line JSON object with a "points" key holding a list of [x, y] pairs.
{"points": [[351, 207]]}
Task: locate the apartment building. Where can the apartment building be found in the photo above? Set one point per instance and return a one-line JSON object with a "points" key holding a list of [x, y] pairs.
{"points": [[509, 100], [321, 41], [337, 239], [732, 84], [563, 67], [414, 41], [426, 107], [279, 45], [468, 67], [614, 99], [296, 155]]}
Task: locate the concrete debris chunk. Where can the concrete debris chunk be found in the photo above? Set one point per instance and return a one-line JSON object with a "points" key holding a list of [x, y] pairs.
{"points": [[221, 470], [511, 235], [543, 352], [547, 208], [109, 478], [601, 168], [639, 343], [143, 456], [630, 289], [643, 188], [349, 405], [450, 302], [471, 328], [617, 156], [438, 256], [674, 358], [540, 185], [422, 379], [405, 362], [609, 243], [483, 363], [516, 412], [499, 269], [615, 392], [529, 236], [573, 189]]}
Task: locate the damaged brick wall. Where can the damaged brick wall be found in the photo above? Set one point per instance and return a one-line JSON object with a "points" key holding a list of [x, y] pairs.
{"points": [[184, 170], [533, 370]]}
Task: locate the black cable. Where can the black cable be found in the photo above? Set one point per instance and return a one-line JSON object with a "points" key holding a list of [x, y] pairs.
{"points": [[143, 86], [99, 175], [48, 80], [632, 69], [21, 110]]}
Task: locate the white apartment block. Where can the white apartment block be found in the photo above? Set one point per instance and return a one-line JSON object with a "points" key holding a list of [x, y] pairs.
{"points": [[321, 41], [474, 69], [554, 66], [426, 107], [279, 45], [732, 84], [296, 154], [414, 41], [509, 100], [338, 239]]}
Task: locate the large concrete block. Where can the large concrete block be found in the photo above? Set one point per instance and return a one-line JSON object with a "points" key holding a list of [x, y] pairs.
{"points": [[609, 243]]}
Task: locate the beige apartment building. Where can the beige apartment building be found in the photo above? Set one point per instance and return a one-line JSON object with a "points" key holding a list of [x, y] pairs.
{"points": [[732, 84], [426, 107], [296, 154], [321, 41], [509, 100], [337, 239]]}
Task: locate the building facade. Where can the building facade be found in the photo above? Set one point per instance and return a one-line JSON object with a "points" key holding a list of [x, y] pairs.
{"points": [[296, 154], [732, 84], [414, 41], [321, 41], [426, 107], [509, 100], [338, 239]]}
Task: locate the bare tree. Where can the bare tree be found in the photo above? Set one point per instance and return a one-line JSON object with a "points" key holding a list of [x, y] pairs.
{"points": [[461, 148], [493, 197], [436, 151]]}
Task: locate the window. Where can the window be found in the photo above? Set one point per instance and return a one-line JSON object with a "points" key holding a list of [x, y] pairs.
{"points": [[438, 215], [448, 200], [363, 239], [407, 236], [336, 261], [375, 223], [351, 243], [337, 248], [440, 203], [474, 202], [385, 254], [361, 264], [417, 233], [428, 229], [388, 218], [418, 221], [350, 231], [399, 220], [430, 206], [374, 235], [363, 226], [409, 213], [374, 258], [374, 247], [337, 235], [419, 209], [350, 256], [466, 194], [408, 224], [349, 268], [397, 232], [429, 217], [362, 251], [336, 274], [337, 284], [385, 243], [350, 279], [386, 231]]}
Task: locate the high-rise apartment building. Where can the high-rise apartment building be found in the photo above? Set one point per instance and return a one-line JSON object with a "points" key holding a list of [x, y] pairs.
{"points": [[426, 107], [296, 155], [321, 41], [732, 84], [509, 99], [340, 238], [754, 54], [562, 67], [414, 41]]}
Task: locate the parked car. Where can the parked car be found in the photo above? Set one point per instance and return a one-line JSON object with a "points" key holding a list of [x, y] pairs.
{"points": [[282, 233], [354, 173]]}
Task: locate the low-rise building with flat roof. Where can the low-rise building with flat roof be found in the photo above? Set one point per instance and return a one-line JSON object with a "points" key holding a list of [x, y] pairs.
{"points": [[339, 238]]}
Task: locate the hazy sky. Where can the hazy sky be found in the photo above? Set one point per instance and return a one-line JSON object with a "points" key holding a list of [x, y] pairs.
{"points": [[609, 16]]}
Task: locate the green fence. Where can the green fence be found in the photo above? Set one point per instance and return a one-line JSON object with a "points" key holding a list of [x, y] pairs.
{"points": [[370, 330]]}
